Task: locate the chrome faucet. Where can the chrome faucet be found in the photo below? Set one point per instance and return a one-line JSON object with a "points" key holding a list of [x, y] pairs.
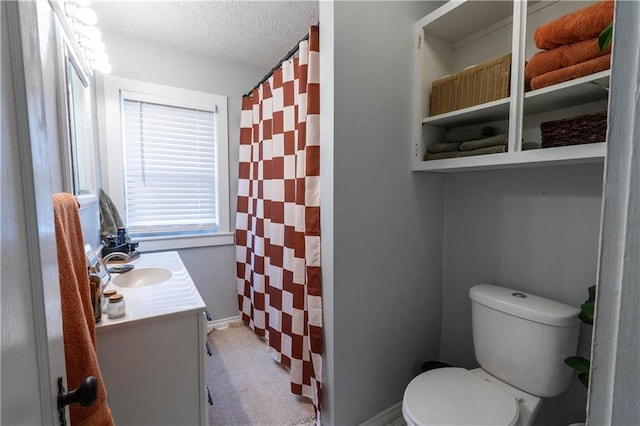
{"points": [[108, 257]]}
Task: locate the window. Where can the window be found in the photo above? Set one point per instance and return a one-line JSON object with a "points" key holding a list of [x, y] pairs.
{"points": [[166, 163], [169, 168]]}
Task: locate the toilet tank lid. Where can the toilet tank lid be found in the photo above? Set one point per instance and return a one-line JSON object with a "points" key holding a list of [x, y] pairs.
{"points": [[524, 305]]}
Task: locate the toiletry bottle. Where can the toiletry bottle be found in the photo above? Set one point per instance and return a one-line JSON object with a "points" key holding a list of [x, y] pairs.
{"points": [[122, 235], [106, 294], [116, 306], [96, 296]]}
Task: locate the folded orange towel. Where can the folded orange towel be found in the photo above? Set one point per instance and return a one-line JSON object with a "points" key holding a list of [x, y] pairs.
{"points": [[583, 51], [563, 56], [583, 24], [569, 73], [78, 323], [544, 62]]}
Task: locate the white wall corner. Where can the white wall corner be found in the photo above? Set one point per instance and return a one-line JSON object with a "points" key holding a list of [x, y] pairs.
{"points": [[385, 417], [223, 323]]}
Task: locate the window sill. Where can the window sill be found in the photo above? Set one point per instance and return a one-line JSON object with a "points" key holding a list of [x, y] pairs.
{"points": [[181, 242], [86, 200]]}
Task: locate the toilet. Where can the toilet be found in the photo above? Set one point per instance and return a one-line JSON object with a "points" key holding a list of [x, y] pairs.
{"points": [[520, 341]]}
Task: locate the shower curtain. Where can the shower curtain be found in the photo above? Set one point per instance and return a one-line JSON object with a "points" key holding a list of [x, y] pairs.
{"points": [[278, 217]]}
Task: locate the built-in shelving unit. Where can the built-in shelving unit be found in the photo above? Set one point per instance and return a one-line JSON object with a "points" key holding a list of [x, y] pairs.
{"points": [[463, 33], [491, 111]]}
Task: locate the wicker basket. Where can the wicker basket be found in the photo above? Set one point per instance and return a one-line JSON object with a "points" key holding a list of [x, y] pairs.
{"points": [[475, 85], [581, 129]]}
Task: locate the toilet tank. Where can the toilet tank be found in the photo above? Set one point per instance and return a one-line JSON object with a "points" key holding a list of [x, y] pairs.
{"points": [[523, 339]]}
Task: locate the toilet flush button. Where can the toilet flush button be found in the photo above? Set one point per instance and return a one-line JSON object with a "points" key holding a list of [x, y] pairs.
{"points": [[519, 295]]}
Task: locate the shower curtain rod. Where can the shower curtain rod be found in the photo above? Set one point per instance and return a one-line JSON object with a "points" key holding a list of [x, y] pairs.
{"points": [[287, 56]]}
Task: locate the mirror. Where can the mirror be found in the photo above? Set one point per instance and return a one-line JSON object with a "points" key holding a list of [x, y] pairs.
{"points": [[80, 128]]}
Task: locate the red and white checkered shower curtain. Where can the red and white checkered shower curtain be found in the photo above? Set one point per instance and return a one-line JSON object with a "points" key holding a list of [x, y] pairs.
{"points": [[278, 219]]}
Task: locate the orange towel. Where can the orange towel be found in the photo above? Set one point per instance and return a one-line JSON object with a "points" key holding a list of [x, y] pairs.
{"points": [[582, 52], [563, 56], [78, 323], [569, 73], [583, 24]]}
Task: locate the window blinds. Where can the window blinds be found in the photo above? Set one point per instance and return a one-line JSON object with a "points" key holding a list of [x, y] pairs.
{"points": [[170, 168]]}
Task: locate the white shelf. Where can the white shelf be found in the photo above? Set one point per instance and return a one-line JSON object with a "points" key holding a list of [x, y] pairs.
{"points": [[575, 154], [456, 20], [491, 111], [578, 91]]}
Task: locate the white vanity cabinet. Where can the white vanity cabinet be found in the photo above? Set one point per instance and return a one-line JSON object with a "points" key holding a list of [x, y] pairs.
{"points": [[460, 34], [153, 359]]}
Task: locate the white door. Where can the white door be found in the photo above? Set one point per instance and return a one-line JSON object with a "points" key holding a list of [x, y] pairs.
{"points": [[32, 345]]}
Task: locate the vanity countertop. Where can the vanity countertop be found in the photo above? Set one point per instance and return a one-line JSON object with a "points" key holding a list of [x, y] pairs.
{"points": [[176, 296]]}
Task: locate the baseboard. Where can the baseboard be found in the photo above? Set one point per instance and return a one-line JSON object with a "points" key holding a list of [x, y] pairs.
{"points": [[384, 417], [221, 324]]}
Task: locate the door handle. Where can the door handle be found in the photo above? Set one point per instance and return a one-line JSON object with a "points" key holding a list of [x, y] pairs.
{"points": [[86, 395]]}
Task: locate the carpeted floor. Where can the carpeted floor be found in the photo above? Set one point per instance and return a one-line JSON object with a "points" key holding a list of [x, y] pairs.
{"points": [[247, 386]]}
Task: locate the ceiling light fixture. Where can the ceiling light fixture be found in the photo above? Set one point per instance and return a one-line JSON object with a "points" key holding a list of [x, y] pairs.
{"points": [[82, 21]]}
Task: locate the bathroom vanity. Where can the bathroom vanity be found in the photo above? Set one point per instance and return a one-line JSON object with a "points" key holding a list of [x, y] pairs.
{"points": [[153, 358]]}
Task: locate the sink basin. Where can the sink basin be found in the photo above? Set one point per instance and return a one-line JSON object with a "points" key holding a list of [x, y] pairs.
{"points": [[142, 277]]}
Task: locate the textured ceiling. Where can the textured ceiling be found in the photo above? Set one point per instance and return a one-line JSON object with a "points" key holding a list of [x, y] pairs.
{"points": [[256, 32]]}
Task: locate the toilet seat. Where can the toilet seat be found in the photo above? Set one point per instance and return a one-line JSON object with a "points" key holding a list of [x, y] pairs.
{"points": [[455, 396]]}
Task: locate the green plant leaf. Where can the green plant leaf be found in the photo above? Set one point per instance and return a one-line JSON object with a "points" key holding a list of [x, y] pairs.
{"points": [[584, 379], [586, 313], [587, 309], [606, 37], [578, 363]]}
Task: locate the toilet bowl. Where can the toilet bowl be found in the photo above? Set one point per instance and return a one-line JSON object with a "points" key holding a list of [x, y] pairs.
{"points": [[455, 396], [520, 341]]}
